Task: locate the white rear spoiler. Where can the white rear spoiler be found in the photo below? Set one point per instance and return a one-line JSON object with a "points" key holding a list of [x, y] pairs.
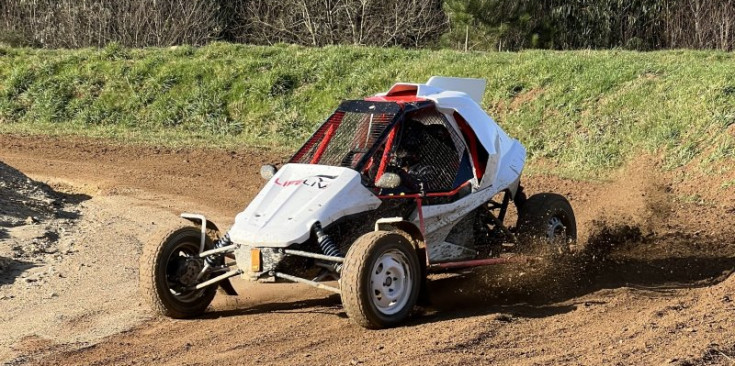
{"points": [[475, 88]]}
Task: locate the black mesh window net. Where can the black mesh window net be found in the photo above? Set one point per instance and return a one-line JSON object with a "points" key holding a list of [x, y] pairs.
{"points": [[348, 135], [429, 152]]}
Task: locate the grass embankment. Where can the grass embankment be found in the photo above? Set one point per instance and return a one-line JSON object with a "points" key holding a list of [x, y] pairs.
{"points": [[584, 112]]}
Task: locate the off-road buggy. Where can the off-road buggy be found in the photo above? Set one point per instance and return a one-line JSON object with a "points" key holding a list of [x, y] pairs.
{"points": [[387, 190]]}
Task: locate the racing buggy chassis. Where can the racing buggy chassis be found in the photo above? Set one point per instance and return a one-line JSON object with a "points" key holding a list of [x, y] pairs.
{"points": [[387, 190]]}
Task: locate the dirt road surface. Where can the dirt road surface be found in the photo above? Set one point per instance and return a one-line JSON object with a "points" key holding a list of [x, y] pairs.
{"points": [[650, 284]]}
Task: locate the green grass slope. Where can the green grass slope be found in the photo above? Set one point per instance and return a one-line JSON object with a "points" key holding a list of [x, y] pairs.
{"points": [[583, 111]]}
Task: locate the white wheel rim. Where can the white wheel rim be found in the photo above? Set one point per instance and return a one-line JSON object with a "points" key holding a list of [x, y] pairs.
{"points": [[390, 282]]}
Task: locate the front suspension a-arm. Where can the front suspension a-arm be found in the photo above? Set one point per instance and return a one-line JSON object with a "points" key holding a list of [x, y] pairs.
{"points": [[199, 219]]}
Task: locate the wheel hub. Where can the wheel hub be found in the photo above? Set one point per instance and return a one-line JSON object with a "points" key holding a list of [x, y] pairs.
{"points": [[556, 233], [556, 229], [189, 270], [390, 283]]}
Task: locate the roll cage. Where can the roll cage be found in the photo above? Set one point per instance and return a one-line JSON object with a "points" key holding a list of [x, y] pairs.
{"points": [[366, 134]]}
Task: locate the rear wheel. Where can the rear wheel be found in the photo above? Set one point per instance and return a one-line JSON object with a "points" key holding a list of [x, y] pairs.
{"points": [[169, 269], [546, 225], [380, 280]]}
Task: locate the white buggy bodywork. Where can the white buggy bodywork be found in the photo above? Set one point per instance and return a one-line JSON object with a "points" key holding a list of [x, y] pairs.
{"points": [[388, 189], [300, 195]]}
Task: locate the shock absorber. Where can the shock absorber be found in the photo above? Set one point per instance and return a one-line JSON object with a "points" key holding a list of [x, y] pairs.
{"points": [[326, 243], [218, 259]]}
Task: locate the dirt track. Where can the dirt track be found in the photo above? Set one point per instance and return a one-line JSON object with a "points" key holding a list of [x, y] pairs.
{"points": [[653, 285]]}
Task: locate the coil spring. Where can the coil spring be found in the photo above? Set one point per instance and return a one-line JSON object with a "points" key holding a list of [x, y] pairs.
{"points": [[218, 260], [326, 244]]}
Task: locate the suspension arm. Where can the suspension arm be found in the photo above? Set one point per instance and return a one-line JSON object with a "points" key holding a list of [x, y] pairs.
{"points": [[302, 253], [306, 282], [219, 278], [227, 249]]}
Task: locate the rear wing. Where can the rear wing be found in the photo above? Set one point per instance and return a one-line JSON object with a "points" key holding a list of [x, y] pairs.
{"points": [[475, 88]]}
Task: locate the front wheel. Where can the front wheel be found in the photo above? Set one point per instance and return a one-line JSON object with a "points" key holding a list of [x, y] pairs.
{"points": [[381, 279], [169, 268], [546, 225]]}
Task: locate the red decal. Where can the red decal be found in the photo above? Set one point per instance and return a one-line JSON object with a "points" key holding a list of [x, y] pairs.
{"points": [[288, 182], [318, 181]]}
